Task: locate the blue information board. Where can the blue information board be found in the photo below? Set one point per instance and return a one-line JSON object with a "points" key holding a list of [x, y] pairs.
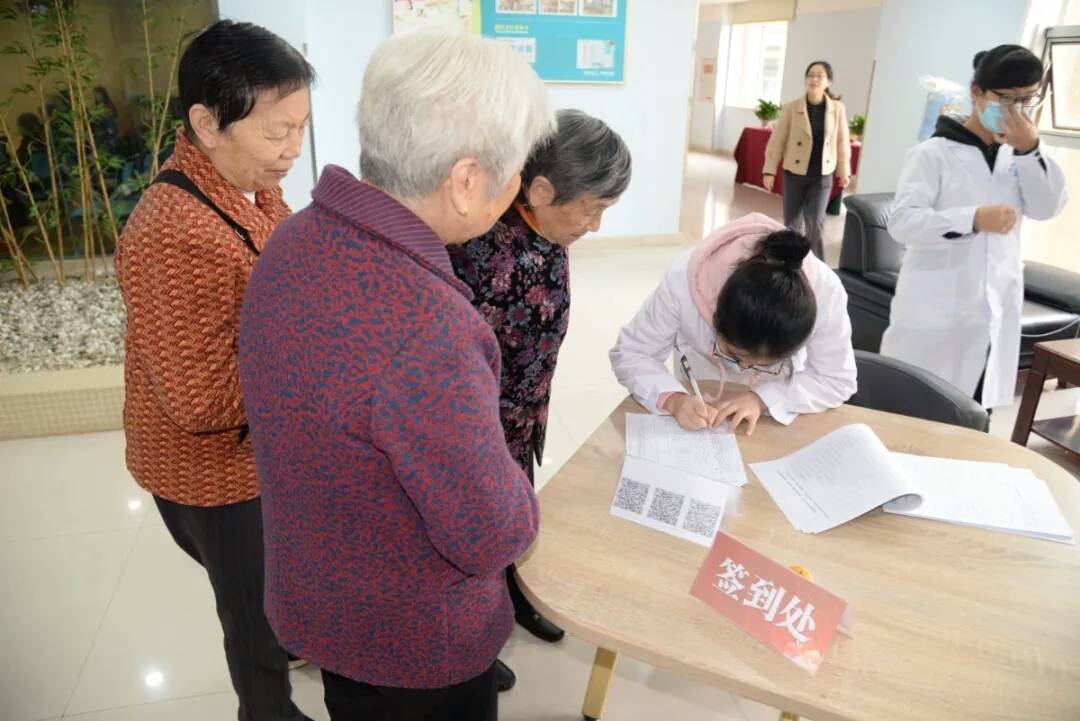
{"points": [[577, 41]]}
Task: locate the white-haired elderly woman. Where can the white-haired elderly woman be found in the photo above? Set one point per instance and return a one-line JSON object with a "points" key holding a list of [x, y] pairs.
{"points": [[392, 505], [519, 275]]}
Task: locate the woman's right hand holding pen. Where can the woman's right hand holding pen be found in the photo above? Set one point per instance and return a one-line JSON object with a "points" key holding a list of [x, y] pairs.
{"points": [[691, 412]]}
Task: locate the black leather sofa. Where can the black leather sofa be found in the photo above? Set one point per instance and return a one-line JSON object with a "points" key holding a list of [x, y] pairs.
{"points": [[870, 263]]}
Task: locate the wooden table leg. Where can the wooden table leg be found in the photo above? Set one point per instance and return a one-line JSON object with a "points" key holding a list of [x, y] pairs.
{"points": [[599, 680], [1032, 391]]}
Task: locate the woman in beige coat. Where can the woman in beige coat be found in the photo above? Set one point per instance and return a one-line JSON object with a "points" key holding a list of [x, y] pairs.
{"points": [[812, 137]]}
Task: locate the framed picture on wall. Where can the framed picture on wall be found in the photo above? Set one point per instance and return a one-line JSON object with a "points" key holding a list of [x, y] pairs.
{"points": [[454, 15], [566, 41], [521, 7], [599, 8], [558, 7]]}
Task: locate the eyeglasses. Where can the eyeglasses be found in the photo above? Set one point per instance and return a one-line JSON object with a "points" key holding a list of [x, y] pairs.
{"points": [[773, 369], [1024, 101]]}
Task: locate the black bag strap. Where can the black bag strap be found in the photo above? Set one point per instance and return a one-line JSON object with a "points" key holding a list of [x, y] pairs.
{"points": [[182, 181]]}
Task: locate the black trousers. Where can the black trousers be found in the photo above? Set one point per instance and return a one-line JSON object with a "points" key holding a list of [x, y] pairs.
{"points": [[228, 542], [521, 604], [349, 700], [805, 200], [979, 392]]}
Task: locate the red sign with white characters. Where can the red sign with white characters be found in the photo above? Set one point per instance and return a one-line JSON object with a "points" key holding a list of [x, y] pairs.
{"points": [[770, 602]]}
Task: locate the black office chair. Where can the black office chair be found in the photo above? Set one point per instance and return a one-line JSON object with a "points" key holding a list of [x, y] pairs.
{"points": [[887, 384]]}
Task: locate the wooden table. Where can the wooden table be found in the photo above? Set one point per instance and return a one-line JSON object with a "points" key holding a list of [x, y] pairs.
{"points": [[1053, 359], [948, 622]]}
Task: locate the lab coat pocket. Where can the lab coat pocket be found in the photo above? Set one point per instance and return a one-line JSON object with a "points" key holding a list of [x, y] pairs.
{"points": [[928, 297]]}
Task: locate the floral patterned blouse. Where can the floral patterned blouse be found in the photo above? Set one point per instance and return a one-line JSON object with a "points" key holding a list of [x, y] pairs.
{"points": [[521, 286]]}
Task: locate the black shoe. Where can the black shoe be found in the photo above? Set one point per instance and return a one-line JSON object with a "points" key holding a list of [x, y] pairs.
{"points": [[504, 677], [539, 626]]}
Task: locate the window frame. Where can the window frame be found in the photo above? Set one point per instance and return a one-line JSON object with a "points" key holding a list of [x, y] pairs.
{"points": [[734, 73], [1054, 134]]}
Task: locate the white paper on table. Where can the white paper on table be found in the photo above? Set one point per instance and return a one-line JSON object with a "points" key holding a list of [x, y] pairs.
{"points": [[836, 478], [992, 496], [679, 503], [712, 453]]}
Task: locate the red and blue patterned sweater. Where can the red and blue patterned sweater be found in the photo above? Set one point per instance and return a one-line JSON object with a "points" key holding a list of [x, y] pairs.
{"points": [[391, 505]]}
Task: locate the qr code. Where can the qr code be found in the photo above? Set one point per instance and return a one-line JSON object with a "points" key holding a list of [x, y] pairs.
{"points": [[701, 518], [630, 495], [666, 507]]}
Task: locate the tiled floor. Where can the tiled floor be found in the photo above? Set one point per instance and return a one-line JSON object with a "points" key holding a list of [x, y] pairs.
{"points": [[104, 619]]}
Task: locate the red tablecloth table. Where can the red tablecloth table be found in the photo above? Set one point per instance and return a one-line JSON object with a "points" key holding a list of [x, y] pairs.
{"points": [[750, 157]]}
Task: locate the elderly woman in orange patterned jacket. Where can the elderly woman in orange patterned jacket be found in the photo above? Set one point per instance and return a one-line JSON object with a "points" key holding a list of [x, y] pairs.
{"points": [[183, 262]]}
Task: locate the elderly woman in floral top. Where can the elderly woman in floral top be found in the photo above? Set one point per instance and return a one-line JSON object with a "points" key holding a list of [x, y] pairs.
{"points": [[519, 275]]}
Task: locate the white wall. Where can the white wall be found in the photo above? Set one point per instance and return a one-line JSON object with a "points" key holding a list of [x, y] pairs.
{"points": [[714, 41], [703, 112], [342, 36], [923, 37], [701, 125], [735, 119], [650, 110], [723, 58], [814, 36]]}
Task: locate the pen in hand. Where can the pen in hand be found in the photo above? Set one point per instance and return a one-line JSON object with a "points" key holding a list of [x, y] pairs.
{"points": [[685, 363], [686, 368], [702, 414]]}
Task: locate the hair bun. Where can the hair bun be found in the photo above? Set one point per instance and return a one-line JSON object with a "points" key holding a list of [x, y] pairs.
{"points": [[978, 59], [785, 247]]}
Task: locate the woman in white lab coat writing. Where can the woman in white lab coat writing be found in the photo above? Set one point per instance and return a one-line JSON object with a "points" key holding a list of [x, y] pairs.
{"points": [[751, 306], [957, 209]]}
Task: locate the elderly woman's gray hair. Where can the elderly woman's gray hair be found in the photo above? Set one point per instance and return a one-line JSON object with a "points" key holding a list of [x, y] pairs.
{"points": [[430, 99], [583, 156]]}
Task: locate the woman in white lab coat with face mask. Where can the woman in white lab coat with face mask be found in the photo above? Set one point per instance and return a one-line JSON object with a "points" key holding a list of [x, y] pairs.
{"points": [[958, 210], [749, 305]]}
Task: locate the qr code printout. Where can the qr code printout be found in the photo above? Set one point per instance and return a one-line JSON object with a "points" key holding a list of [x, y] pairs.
{"points": [[666, 507], [631, 495], [701, 518]]}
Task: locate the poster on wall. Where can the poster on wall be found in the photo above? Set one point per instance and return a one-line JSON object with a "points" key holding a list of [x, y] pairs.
{"points": [[575, 41], [706, 80], [566, 41], [444, 14]]}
